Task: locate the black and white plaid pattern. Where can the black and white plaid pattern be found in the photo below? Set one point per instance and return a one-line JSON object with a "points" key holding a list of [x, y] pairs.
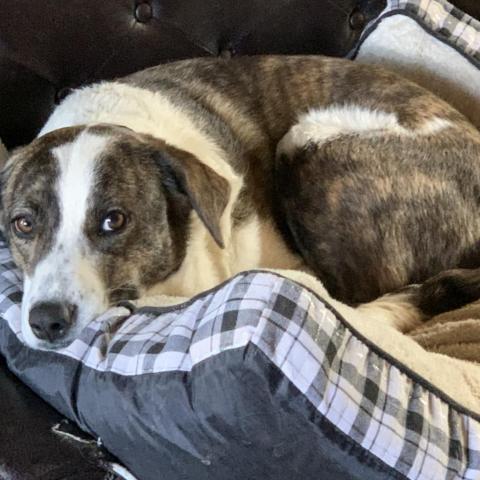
{"points": [[443, 18], [378, 405]]}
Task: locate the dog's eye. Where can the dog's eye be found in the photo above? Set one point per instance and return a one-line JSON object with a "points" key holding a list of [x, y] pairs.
{"points": [[114, 221], [23, 226]]}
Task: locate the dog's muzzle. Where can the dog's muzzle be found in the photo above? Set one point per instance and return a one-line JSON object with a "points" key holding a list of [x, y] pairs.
{"points": [[52, 321]]}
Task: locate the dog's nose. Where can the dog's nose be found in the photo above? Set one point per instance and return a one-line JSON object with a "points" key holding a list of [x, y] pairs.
{"points": [[51, 321]]}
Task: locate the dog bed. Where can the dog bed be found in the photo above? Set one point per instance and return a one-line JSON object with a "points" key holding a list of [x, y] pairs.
{"points": [[260, 378]]}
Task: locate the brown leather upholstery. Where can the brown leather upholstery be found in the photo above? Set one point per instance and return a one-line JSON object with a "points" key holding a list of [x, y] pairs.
{"points": [[47, 46], [29, 450], [472, 7]]}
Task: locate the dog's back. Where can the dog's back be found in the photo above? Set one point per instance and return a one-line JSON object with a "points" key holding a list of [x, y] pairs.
{"points": [[373, 214], [387, 195]]}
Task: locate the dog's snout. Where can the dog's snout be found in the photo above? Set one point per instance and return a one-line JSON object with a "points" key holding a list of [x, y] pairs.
{"points": [[51, 321]]}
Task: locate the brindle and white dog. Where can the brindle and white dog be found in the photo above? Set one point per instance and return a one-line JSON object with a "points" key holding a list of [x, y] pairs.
{"points": [[173, 179]]}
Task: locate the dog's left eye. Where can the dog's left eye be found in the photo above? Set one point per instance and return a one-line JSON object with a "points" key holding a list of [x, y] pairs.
{"points": [[23, 226], [113, 222]]}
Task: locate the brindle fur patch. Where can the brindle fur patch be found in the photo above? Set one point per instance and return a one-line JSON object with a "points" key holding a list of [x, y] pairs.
{"points": [[27, 188], [154, 241], [157, 186], [371, 215]]}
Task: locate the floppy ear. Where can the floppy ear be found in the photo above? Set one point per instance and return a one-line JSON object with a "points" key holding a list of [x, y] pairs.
{"points": [[208, 192]]}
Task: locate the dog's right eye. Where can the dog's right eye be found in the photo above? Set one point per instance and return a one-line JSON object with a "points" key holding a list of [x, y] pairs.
{"points": [[23, 226], [113, 222]]}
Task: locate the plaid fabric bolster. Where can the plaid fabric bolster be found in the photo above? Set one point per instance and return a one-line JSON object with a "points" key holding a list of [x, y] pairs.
{"points": [[442, 18]]}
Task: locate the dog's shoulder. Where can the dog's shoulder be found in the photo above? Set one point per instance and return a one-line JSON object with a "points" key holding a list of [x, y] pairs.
{"points": [[98, 103]]}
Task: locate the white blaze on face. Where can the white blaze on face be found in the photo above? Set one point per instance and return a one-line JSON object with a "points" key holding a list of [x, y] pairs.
{"points": [[68, 272]]}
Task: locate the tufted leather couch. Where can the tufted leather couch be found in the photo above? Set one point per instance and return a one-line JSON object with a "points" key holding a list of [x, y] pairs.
{"points": [[47, 46], [50, 46]]}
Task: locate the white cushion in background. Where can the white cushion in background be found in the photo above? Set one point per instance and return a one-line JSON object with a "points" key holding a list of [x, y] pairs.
{"points": [[402, 44]]}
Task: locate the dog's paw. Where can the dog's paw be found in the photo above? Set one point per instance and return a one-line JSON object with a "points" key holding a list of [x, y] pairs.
{"points": [[449, 290]]}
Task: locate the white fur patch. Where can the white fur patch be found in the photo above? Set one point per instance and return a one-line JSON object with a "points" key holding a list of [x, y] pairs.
{"points": [[68, 273], [434, 125], [320, 125], [205, 265], [253, 245], [77, 162]]}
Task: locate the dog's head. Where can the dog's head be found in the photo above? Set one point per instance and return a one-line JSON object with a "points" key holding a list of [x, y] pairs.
{"points": [[95, 215]]}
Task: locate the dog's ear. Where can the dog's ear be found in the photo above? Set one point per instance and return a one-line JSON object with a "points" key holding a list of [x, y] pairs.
{"points": [[207, 192]]}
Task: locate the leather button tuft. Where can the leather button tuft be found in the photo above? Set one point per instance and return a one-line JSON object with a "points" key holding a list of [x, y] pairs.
{"points": [[143, 12], [357, 20]]}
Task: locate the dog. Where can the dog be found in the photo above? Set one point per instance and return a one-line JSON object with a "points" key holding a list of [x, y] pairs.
{"points": [[173, 179]]}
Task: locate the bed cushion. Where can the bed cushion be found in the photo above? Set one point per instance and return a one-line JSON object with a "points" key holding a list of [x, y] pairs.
{"points": [[258, 378]]}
